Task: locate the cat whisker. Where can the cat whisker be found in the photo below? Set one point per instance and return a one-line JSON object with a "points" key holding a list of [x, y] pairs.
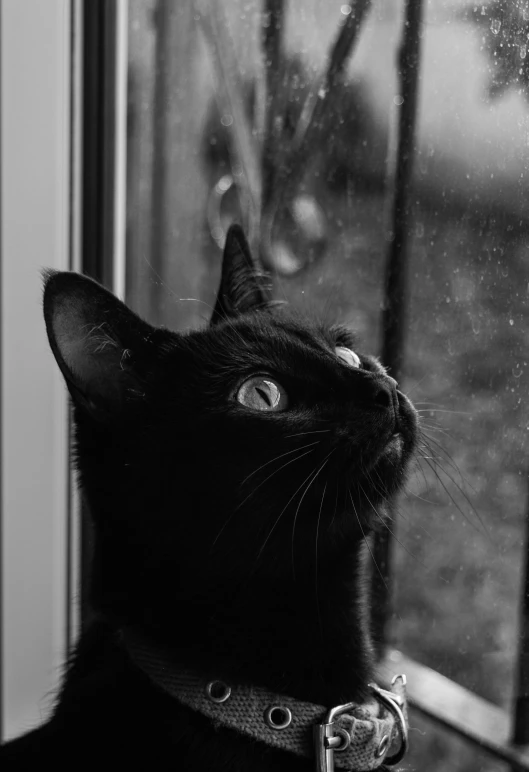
{"points": [[453, 500], [271, 475], [443, 410], [414, 524], [394, 504], [229, 519], [300, 434], [426, 403], [299, 505], [366, 542], [195, 300], [380, 491], [416, 385], [283, 511], [318, 610], [427, 439], [434, 428], [439, 461], [408, 492], [176, 297], [394, 536], [335, 508], [282, 455]]}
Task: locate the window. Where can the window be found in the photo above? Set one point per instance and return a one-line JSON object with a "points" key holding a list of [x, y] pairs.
{"points": [[198, 156], [162, 132]]}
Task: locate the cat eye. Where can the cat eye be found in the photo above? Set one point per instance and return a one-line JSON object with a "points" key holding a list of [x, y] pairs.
{"points": [[348, 356], [262, 393]]}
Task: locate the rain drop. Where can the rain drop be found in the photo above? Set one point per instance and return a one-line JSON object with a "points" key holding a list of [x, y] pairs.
{"points": [[495, 26], [523, 51], [511, 322]]}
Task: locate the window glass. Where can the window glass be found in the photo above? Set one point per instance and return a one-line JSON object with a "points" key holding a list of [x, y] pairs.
{"points": [[461, 524]]}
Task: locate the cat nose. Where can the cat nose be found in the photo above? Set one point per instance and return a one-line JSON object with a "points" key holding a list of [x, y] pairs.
{"points": [[384, 392]]}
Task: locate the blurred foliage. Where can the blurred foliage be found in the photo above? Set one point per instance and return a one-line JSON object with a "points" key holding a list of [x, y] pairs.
{"points": [[505, 25]]}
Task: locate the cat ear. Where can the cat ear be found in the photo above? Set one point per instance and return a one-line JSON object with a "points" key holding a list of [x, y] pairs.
{"points": [[241, 287], [97, 341]]}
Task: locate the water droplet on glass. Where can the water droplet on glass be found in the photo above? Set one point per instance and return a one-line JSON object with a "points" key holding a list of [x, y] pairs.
{"points": [[523, 51], [511, 322], [495, 26], [346, 10], [398, 100], [517, 371]]}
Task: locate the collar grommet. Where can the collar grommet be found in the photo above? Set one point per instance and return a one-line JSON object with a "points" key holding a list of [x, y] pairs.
{"points": [[278, 717], [382, 746], [218, 691]]}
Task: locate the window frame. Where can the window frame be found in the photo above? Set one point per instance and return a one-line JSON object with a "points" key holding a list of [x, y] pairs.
{"points": [[36, 229]]}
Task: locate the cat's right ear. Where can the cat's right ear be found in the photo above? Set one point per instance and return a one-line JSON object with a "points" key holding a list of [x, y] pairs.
{"points": [[241, 286], [100, 345]]}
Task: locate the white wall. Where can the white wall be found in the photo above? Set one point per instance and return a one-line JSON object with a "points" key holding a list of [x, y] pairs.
{"points": [[36, 69]]}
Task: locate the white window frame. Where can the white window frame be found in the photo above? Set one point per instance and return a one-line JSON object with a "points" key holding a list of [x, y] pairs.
{"points": [[36, 232], [41, 212]]}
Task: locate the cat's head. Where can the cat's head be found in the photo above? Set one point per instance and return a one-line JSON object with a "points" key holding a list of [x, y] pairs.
{"points": [[251, 448]]}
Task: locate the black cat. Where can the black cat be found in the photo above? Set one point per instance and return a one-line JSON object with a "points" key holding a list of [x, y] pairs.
{"points": [[232, 474]]}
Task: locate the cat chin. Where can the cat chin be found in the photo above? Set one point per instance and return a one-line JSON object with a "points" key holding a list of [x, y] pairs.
{"points": [[391, 454], [390, 468], [395, 448]]}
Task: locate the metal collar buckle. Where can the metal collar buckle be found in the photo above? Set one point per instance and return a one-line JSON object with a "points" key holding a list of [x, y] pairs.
{"points": [[394, 704], [328, 738]]}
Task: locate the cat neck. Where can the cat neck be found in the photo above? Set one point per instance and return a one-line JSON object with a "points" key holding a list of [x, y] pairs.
{"points": [[283, 635]]}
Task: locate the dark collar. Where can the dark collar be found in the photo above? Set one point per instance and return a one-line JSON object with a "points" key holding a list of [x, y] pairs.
{"points": [[354, 736]]}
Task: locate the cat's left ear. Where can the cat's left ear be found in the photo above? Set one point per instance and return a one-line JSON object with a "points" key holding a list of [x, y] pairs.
{"points": [[102, 348], [241, 287]]}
